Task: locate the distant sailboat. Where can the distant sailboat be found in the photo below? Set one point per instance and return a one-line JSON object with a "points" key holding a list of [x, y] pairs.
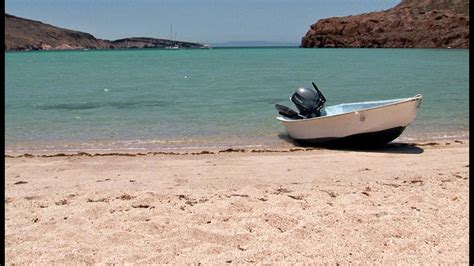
{"points": [[173, 41]]}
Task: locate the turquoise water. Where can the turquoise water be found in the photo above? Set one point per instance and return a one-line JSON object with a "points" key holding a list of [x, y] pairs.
{"points": [[155, 99]]}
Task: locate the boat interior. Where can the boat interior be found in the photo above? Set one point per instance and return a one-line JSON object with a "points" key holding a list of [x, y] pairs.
{"points": [[289, 114], [352, 107]]}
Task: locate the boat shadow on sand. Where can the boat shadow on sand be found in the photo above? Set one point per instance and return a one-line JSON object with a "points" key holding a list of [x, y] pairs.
{"points": [[392, 147]]}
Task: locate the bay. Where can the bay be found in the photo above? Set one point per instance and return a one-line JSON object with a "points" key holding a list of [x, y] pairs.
{"points": [[153, 99]]}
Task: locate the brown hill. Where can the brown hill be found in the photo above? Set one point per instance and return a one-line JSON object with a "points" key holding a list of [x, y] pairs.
{"points": [[410, 24], [24, 34]]}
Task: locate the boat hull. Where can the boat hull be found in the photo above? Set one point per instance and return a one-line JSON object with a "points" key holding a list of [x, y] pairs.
{"points": [[365, 127], [371, 139]]}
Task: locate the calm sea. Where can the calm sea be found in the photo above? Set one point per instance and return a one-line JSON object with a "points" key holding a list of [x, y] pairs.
{"points": [[155, 99]]}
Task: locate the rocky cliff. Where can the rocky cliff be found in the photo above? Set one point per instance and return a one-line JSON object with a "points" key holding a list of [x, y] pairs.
{"points": [[24, 34], [410, 24]]}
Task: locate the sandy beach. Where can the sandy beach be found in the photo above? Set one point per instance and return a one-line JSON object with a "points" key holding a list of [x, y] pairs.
{"points": [[403, 204]]}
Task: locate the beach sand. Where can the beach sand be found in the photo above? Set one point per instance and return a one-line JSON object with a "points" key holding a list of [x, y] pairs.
{"points": [[404, 204]]}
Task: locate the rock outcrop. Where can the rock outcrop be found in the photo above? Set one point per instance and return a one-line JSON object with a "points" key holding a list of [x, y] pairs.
{"points": [[24, 34], [142, 42], [410, 24]]}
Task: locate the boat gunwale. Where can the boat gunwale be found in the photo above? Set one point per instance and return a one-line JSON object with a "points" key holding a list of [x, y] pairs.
{"points": [[402, 100]]}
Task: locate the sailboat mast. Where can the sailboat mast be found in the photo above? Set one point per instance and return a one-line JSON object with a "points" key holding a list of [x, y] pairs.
{"points": [[173, 43], [171, 32]]}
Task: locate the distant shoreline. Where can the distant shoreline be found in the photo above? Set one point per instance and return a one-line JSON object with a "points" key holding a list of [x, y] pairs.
{"points": [[235, 47]]}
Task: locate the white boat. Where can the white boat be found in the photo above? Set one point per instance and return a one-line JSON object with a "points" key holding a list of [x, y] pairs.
{"points": [[371, 123]]}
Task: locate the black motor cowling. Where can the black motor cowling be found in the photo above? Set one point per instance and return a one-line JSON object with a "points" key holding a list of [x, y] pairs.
{"points": [[308, 101]]}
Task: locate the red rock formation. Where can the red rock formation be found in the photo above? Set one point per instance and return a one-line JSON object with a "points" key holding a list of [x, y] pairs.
{"points": [[410, 24]]}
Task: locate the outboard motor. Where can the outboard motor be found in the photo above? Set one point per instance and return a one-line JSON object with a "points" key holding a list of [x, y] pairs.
{"points": [[308, 101]]}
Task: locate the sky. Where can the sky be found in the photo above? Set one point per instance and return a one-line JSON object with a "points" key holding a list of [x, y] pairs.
{"points": [[203, 21]]}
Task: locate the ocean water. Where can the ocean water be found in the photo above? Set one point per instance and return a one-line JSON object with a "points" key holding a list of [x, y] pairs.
{"points": [[152, 99]]}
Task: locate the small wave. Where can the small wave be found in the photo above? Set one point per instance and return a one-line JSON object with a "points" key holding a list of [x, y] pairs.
{"points": [[434, 136], [267, 100], [69, 106], [95, 105]]}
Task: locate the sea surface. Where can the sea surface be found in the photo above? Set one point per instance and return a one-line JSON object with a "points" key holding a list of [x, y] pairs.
{"points": [[153, 99]]}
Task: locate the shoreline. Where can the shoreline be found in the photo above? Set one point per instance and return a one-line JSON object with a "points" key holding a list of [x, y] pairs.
{"points": [[211, 143], [214, 150]]}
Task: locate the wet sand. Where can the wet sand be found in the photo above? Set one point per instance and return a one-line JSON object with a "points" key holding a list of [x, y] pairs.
{"points": [[403, 204]]}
